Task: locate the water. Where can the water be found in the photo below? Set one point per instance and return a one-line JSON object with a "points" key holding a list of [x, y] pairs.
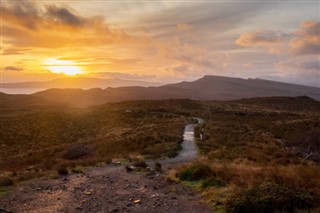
{"points": [[20, 90], [189, 150]]}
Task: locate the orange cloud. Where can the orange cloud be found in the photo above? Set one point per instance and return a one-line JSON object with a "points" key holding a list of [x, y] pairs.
{"points": [[307, 39], [25, 26], [184, 27], [262, 38]]}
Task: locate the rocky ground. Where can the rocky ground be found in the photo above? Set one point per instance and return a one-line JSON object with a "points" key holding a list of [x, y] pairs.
{"points": [[107, 189]]}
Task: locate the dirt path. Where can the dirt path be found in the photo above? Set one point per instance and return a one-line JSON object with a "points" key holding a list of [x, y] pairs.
{"points": [[110, 189]]}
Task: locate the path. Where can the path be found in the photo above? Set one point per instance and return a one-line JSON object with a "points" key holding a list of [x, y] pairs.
{"points": [[110, 189]]}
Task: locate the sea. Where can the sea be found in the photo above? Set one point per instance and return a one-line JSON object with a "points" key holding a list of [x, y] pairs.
{"points": [[20, 90]]}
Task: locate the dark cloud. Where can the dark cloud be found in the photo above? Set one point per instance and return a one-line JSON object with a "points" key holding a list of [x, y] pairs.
{"points": [[14, 51], [301, 69], [13, 68], [64, 16], [311, 65], [23, 13], [303, 64], [26, 25]]}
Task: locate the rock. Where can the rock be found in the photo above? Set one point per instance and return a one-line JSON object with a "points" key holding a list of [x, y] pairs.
{"points": [[155, 195], [5, 211], [130, 168], [158, 167], [138, 201], [79, 208], [117, 163], [114, 210]]}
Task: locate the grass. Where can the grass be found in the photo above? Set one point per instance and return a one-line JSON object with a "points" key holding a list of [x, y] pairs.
{"points": [[271, 197], [37, 141], [251, 153], [253, 150]]}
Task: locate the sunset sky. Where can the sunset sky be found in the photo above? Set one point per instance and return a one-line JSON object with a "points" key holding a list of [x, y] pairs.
{"points": [[160, 41]]}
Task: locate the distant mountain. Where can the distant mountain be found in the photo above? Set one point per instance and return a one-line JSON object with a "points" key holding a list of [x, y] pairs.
{"points": [[78, 82], [206, 88], [226, 88], [19, 101]]}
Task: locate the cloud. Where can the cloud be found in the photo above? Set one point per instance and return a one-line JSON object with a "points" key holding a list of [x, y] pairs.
{"points": [[13, 68], [307, 39], [303, 64], [301, 69], [21, 13], [14, 51], [27, 26], [184, 27], [188, 53], [64, 16], [124, 75], [262, 38]]}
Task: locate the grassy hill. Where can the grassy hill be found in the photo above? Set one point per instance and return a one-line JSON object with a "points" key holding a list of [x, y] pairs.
{"points": [[258, 154]]}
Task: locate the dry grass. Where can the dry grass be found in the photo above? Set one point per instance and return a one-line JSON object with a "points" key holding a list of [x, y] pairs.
{"points": [[249, 148], [38, 140]]}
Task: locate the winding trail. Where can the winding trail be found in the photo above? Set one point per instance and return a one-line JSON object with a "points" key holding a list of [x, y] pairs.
{"points": [[189, 150], [111, 189]]}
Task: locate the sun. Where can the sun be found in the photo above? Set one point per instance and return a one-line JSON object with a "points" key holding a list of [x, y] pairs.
{"points": [[62, 66]]}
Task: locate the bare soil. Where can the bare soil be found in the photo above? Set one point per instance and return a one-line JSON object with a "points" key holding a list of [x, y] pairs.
{"points": [[107, 189]]}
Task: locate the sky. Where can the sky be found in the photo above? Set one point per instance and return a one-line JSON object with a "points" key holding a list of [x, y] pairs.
{"points": [[161, 41]]}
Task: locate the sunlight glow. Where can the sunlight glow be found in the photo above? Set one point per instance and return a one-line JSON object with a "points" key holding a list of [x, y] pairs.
{"points": [[62, 66]]}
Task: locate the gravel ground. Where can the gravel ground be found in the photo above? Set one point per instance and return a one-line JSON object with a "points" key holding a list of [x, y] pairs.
{"points": [[108, 189]]}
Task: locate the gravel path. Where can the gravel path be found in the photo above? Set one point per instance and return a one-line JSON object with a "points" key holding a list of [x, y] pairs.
{"points": [[108, 189]]}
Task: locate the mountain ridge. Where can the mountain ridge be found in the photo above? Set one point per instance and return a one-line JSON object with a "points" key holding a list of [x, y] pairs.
{"points": [[206, 88]]}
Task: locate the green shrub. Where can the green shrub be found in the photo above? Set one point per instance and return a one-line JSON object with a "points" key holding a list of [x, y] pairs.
{"points": [[213, 181], [271, 198], [195, 172]]}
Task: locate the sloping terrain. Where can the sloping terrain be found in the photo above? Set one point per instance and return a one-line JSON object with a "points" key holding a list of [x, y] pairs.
{"points": [[227, 88], [253, 152], [206, 88]]}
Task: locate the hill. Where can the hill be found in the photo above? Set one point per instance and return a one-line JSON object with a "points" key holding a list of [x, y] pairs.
{"points": [[252, 152], [226, 88], [17, 101], [206, 88]]}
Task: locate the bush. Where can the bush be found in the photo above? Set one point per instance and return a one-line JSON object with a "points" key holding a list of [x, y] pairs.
{"points": [[6, 181], [195, 172], [157, 167], [140, 164], [270, 198], [76, 152], [213, 181], [62, 170]]}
